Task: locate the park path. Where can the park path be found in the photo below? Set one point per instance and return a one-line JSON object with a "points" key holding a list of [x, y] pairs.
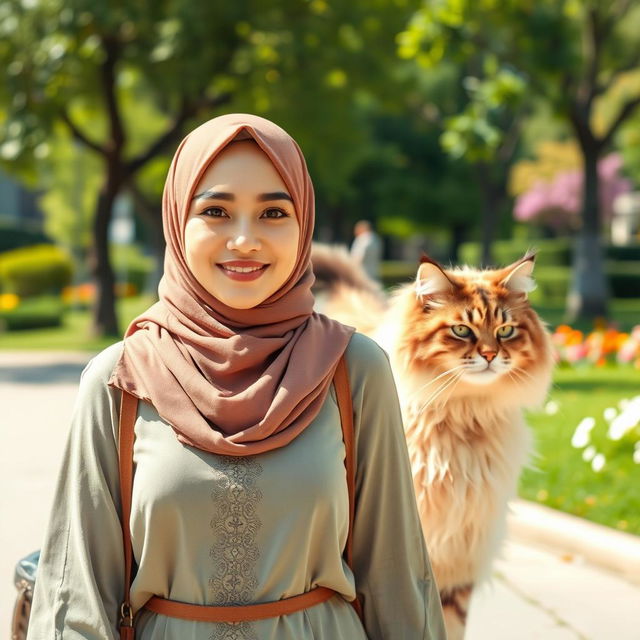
{"points": [[535, 593]]}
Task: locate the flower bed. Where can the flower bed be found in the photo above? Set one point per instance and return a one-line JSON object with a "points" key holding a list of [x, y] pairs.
{"points": [[604, 345]]}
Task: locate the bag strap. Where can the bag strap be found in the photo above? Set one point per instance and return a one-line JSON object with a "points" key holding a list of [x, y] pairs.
{"points": [[128, 413], [345, 406]]}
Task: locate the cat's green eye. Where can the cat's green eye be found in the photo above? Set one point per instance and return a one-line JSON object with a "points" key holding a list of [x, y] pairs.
{"points": [[461, 330], [506, 331]]}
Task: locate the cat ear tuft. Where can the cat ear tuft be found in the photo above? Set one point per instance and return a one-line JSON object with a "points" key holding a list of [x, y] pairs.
{"points": [[518, 276], [431, 279]]}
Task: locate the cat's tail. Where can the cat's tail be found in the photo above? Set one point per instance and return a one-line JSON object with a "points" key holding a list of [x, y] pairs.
{"points": [[344, 291]]}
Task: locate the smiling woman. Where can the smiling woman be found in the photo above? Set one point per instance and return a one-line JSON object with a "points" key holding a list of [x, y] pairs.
{"points": [[242, 228], [272, 494]]}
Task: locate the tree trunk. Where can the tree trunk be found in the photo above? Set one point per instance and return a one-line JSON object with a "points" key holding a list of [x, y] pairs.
{"points": [[105, 322], [458, 236], [492, 196], [151, 214], [589, 292]]}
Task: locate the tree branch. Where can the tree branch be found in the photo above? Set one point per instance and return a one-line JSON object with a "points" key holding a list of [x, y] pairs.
{"points": [[108, 73], [79, 135], [187, 109], [593, 41], [627, 109]]}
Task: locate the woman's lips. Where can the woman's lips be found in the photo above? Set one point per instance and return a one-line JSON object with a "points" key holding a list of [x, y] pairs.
{"points": [[236, 270]]}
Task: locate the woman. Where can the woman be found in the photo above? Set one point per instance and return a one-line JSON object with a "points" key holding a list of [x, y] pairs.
{"points": [[239, 492]]}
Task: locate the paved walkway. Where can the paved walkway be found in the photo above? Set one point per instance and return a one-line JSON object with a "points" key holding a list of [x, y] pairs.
{"points": [[535, 593]]}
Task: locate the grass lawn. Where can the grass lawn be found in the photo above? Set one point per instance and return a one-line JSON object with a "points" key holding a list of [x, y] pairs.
{"points": [[75, 332], [565, 481]]}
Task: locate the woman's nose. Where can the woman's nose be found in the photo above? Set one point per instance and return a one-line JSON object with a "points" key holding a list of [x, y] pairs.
{"points": [[243, 239]]}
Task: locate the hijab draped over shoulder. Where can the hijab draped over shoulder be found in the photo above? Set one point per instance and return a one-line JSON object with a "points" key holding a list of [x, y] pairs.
{"points": [[232, 381]]}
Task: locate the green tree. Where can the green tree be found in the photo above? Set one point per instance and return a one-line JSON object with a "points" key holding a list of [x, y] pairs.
{"points": [[570, 52], [91, 66]]}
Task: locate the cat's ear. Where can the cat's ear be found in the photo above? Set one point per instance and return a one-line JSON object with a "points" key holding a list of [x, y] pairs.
{"points": [[431, 280], [517, 277]]}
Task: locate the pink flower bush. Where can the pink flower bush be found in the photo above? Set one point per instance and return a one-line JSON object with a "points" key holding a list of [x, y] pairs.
{"points": [[559, 202]]}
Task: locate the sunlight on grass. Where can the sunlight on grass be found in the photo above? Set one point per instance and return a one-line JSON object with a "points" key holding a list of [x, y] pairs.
{"points": [[75, 332], [561, 478]]}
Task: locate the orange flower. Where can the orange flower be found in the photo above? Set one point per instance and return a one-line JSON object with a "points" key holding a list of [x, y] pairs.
{"points": [[563, 328], [575, 337]]}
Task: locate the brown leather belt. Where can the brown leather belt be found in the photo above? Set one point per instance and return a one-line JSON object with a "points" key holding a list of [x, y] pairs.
{"points": [[241, 613]]}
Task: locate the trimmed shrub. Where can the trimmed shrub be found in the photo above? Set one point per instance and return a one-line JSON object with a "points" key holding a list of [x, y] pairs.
{"points": [[554, 282], [550, 252], [32, 313], [37, 270], [393, 272], [624, 253], [624, 278]]}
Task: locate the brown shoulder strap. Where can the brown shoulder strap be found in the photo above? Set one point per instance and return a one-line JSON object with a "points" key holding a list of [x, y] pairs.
{"points": [[345, 406], [128, 412]]}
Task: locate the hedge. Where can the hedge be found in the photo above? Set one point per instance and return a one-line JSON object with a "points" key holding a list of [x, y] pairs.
{"points": [[33, 313], [550, 252], [556, 251], [12, 237], [552, 281], [34, 271]]}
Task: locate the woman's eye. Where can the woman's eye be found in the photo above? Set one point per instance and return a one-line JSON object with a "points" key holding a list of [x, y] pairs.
{"points": [[461, 330], [214, 212], [506, 331], [275, 213]]}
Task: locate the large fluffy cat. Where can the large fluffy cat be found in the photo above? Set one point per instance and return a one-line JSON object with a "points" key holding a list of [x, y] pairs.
{"points": [[468, 353]]}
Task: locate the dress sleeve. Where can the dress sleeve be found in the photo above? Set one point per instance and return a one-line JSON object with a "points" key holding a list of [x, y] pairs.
{"points": [[79, 582], [391, 566]]}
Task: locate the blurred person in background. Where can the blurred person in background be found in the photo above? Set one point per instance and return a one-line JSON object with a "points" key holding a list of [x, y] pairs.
{"points": [[366, 249]]}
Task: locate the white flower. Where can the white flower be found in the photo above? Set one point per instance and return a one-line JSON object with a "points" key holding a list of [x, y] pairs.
{"points": [[610, 413], [582, 433], [551, 408], [626, 420], [598, 463], [636, 455], [588, 453]]}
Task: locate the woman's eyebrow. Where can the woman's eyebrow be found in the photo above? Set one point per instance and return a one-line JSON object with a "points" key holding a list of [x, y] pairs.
{"points": [[211, 194], [275, 195]]}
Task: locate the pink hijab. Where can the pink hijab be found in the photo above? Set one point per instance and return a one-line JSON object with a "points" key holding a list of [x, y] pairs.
{"points": [[232, 381]]}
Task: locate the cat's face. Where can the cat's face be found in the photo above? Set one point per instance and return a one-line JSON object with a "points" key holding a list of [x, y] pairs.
{"points": [[477, 325]]}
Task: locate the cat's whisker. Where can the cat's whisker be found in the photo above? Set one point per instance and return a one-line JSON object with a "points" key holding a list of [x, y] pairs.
{"points": [[443, 385], [449, 388], [441, 389], [523, 372], [424, 386]]}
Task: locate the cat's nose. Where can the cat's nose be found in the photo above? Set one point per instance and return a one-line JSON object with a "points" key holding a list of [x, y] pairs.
{"points": [[488, 355]]}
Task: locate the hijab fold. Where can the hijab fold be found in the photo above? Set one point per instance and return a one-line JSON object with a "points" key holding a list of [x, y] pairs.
{"points": [[232, 381]]}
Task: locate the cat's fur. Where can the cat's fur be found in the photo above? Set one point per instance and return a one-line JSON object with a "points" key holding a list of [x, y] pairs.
{"points": [[465, 430]]}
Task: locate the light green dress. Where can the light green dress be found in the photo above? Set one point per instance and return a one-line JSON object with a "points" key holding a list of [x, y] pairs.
{"points": [[212, 529]]}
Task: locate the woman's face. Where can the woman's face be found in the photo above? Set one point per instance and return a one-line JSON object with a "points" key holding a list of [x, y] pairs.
{"points": [[241, 235]]}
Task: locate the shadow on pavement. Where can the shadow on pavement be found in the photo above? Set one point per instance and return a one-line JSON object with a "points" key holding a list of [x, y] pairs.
{"points": [[61, 373]]}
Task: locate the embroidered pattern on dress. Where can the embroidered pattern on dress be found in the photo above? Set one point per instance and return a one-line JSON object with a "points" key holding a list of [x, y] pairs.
{"points": [[235, 552]]}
